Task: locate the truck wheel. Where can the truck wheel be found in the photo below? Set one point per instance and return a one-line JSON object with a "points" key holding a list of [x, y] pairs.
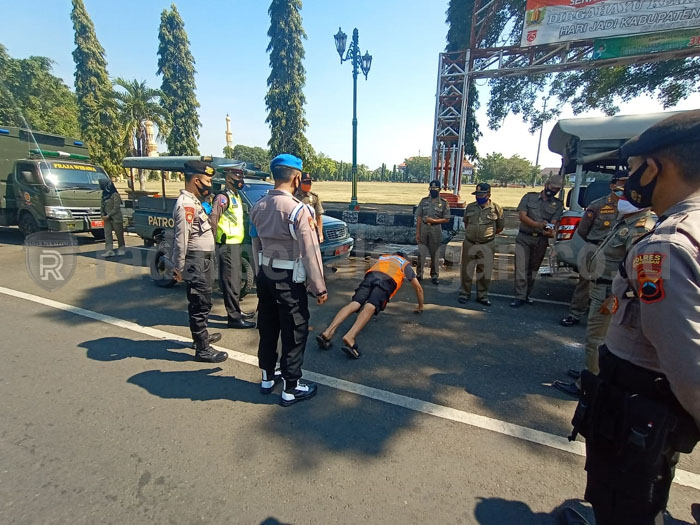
{"points": [[27, 224], [99, 235], [160, 275]]}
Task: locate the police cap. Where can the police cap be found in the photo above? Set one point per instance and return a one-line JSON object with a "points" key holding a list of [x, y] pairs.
{"points": [[435, 184], [482, 187], [285, 159], [306, 177], [197, 167], [677, 129]]}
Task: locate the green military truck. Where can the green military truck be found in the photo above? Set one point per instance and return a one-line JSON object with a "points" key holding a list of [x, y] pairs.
{"points": [[47, 182]]}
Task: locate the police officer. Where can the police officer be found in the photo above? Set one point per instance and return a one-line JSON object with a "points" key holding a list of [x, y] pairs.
{"points": [[602, 269], [598, 218], [643, 408], [193, 256], [432, 212], [483, 220], [305, 195], [290, 259], [539, 215], [226, 219]]}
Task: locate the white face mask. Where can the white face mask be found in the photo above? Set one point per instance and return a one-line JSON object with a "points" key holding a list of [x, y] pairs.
{"points": [[625, 207]]}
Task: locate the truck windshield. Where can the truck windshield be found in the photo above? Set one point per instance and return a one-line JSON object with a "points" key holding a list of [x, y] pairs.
{"points": [[255, 192], [65, 175]]}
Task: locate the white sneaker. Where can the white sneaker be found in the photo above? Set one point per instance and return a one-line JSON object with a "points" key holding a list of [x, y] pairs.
{"points": [[301, 392], [267, 385], [109, 253], [121, 251]]}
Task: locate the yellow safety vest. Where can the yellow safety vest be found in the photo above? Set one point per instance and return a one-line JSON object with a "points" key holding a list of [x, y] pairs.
{"points": [[231, 221]]}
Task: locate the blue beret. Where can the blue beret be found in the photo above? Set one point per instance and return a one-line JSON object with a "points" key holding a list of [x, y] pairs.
{"points": [[285, 159]]}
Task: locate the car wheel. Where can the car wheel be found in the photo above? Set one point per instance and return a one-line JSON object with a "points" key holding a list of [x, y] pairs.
{"points": [[99, 235], [161, 274], [27, 224], [247, 277]]}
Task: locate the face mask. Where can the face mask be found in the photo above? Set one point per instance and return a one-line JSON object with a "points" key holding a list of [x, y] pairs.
{"points": [[618, 193], [625, 207], [203, 189], [434, 193], [482, 200], [306, 186], [637, 194], [549, 193]]}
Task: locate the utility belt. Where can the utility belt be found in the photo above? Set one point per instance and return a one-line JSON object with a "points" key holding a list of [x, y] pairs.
{"points": [[198, 254], [297, 266], [631, 411], [481, 242], [602, 281], [530, 234]]}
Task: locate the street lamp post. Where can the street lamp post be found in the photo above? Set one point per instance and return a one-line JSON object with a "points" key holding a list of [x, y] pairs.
{"points": [[359, 61]]}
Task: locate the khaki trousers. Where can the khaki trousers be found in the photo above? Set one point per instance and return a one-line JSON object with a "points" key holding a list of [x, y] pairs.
{"points": [[529, 253], [597, 325], [477, 257], [430, 242], [116, 226], [579, 301]]}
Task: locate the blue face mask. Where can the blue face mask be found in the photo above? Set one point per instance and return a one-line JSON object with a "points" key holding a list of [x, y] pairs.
{"points": [[482, 200], [618, 193]]}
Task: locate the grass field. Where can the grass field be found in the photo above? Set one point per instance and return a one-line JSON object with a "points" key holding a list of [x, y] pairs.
{"points": [[373, 192]]}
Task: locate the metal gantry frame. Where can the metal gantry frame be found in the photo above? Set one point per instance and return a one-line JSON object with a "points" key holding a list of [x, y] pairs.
{"points": [[456, 69]]}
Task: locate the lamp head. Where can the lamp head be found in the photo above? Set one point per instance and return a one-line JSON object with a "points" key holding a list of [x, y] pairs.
{"points": [[340, 42], [366, 64]]}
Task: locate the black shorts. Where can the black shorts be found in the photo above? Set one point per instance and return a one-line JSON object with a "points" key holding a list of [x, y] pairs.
{"points": [[376, 289]]}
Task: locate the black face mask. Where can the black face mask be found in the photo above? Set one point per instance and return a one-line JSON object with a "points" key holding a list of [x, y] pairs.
{"points": [[434, 193], [238, 184], [549, 193], [203, 189], [637, 194]]}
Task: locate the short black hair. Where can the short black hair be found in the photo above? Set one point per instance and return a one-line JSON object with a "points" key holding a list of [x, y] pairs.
{"points": [[685, 156], [283, 173]]}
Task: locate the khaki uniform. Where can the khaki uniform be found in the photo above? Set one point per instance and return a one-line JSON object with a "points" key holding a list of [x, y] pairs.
{"points": [[193, 254], [598, 218], [478, 248], [531, 244], [283, 309], [312, 199], [602, 268], [114, 221], [431, 234], [657, 322]]}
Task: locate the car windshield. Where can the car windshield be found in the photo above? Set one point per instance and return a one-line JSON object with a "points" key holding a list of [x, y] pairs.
{"points": [[255, 192], [71, 175]]}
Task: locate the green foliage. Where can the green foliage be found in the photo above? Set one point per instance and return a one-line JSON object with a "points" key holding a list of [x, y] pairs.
{"points": [[285, 98], [459, 20], [495, 168], [97, 112], [669, 81], [176, 65], [228, 152], [417, 169], [31, 95], [257, 155], [137, 104]]}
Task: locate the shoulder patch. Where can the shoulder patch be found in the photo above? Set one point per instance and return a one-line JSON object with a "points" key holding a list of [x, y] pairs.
{"points": [[590, 213], [189, 214], [650, 283]]}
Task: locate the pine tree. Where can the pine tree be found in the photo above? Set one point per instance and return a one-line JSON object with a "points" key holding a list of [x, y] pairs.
{"points": [[176, 64], [459, 19], [97, 114], [285, 99]]}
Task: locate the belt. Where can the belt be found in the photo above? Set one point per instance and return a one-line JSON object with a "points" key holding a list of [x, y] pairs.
{"points": [[279, 264], [199, 254], [481, 242], [602, 281], [531, 234]]}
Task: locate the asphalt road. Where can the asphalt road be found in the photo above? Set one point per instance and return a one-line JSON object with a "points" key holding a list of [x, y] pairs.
{"points": [[448, 417]]}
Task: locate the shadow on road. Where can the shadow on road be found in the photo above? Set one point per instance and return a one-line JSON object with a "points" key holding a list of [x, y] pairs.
{"points": [[117, 348], [497, 511]]}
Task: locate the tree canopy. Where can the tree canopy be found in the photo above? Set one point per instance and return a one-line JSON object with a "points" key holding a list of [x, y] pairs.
{"points": [[285, 98], [30, 95], [176, 65], [97, 112], [495, 168]]}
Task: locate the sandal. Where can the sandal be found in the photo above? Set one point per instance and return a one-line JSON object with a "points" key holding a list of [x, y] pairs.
{"points": [[323, 343], [353, 352]]}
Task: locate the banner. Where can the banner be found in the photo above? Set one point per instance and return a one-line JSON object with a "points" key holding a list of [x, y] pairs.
{"points": [[550, 21], [644, 44]]}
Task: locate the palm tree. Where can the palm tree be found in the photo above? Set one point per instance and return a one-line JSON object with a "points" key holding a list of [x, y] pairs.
{"points": [[138, 104]]}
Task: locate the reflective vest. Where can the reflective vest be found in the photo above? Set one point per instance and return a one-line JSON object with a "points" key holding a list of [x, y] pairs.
{"points": [[231, 221], [393, 266]]}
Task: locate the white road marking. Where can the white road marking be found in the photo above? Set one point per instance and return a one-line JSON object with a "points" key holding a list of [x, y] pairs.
{"points": [[687, 479]]}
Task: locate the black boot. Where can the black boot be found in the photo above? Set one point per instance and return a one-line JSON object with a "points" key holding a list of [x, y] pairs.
{"points": [[213, 338], [204, 351]]}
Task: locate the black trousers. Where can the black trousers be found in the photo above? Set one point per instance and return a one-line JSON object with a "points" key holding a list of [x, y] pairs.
{"points": [[198, 277], [229, 259], [283, 312]]}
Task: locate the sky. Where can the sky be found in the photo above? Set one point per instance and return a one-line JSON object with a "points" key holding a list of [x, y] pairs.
{"points": [[396, 104]]}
